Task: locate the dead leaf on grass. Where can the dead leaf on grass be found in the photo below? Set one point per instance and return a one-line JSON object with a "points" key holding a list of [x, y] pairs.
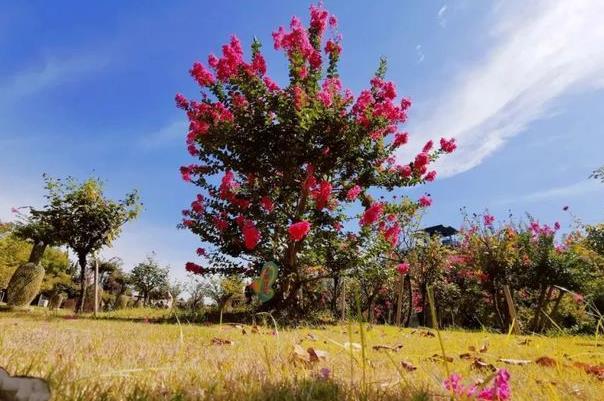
{"points": [[465, 355], [408, 366], [479, 364], [354, 346], [221, 341], [315, 355], [595, 370], [439, 358], [380, 347], [546, 361], [517, 362]]}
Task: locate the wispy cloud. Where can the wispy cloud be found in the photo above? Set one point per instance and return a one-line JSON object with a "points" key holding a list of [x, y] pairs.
{"points": [[53, 71], [539, 54], [169, 133], [566, 192], [442, 19], [420, 53]]}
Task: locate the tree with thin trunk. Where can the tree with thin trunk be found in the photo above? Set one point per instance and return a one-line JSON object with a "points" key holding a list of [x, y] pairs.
{"points": [[85, 219], [147, 277]]}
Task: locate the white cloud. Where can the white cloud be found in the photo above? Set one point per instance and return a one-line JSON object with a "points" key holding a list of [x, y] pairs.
{"points": [[442, 19], [53, 71], [566, 192], [172, 247], [171, 132], [541, 51]]}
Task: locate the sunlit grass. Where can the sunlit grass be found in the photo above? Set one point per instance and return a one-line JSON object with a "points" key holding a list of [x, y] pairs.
{"points": [[86, 359]]}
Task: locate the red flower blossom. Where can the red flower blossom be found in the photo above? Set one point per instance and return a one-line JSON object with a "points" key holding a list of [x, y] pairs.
{"points": [[251, 235], [193, 268], [488, 219], [181, 101], [400, 138], [259, 64], [372, 214], [353, 193], [425, 201], [267, 204], [201, 252], [220, 223], [402, 268], [322, 194], [421, 160], [430, 176], [201, 74], [428, 146], [392, 234], [270, 84], [447, 146], [297, 231]]}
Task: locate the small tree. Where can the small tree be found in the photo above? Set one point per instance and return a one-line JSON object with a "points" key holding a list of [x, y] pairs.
{"points": [[148, 276], [85, 219], [290, 159], [26, 281]]}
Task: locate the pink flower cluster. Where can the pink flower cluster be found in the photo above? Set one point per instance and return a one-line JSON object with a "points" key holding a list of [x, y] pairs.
{"points": [[353, 193], [372, 214], [297, 231], [499, 391], [251, 234], [297, 42], [321, 194], [194, 268], [402, 268]]}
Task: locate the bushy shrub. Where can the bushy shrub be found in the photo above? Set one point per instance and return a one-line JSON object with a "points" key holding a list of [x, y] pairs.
{"points": [[24, 285]]}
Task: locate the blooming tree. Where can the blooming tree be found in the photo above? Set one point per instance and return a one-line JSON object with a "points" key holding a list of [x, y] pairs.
{"points": [[277, 166]]}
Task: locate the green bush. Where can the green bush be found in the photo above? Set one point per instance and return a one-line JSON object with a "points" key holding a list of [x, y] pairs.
{"points": [[24, 285]]}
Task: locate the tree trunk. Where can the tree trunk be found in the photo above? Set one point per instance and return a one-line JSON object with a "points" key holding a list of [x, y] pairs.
{"points": [[495, 296], [399, 301], [82, 262], [535, 319], [554, 310], [546, 301], [96, 287], [37, 252], [410, 301]]}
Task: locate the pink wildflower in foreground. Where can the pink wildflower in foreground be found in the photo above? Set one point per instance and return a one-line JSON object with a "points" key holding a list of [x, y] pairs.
{"points": [[498, 391]]}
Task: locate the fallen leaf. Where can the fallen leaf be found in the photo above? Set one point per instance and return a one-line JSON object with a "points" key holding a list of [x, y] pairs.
{"points": [[381, 347], [439, 357], [221, 341], [255, 329], [315, 355], [243, 331], [466, 355], [595, 370], [484, 348], [526, 341], [426, 333], [519, 362], [408, 366], [354, 346], [479, 364], [546, 361]]}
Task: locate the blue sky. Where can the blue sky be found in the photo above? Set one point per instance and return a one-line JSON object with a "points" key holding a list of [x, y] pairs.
{"points": [[87, 89]]}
